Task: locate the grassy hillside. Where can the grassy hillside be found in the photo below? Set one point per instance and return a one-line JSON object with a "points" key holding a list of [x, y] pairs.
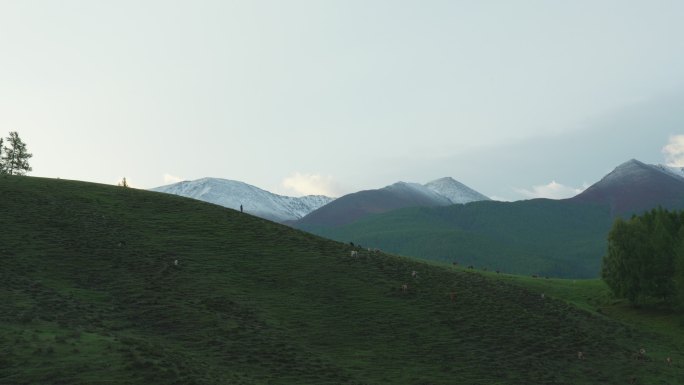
{"points": [[91, 295], [540, 236], [594, 295]]}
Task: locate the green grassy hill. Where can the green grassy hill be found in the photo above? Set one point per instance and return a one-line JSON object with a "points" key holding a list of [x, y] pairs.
{"points": [[559, 238], [91, 295]]}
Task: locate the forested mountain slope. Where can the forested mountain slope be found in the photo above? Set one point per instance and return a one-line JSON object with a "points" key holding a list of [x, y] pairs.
{"points": [[540, 236]]}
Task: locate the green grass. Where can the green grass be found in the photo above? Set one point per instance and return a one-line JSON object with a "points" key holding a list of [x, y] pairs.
{"points": [[594, 295], [91, 296]]}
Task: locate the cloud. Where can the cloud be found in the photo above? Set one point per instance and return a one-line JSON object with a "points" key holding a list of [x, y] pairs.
{"points": [[311, 184], [674, 151], [169, 179], [553, 190]]}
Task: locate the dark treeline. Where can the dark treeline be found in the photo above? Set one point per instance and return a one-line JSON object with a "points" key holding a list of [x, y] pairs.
{"points": [[645, 259]]}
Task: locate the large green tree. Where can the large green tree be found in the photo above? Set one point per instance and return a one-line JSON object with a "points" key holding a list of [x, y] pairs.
{"points": [[623, 264], [15, 159]]}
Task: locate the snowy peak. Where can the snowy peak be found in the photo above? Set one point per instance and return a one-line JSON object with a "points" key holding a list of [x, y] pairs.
{"points": [[455, 191], [355, 206], [632, 169], [233, 194], [418, 191], [633, 187]]}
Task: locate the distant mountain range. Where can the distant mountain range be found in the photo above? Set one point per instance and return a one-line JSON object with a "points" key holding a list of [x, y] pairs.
{"points": [[317, 209], [255, 201], [352, 207], [447, 220], [563, 238]]}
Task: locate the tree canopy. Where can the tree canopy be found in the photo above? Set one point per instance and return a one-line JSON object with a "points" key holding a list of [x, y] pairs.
{"points": [[645, 258], [14, 156]]}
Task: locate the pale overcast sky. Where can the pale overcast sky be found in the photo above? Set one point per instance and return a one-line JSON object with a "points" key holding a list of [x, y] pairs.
{"points": [[514, 98]]}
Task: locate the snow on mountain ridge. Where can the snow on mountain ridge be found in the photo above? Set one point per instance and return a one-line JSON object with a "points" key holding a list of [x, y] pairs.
{"points": [[634, 169], [279, 208], [675, 171], [455, 191], [232, 194], [417, 188]]}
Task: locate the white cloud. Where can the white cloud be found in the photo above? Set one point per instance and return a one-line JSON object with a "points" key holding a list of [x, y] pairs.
{"points": [[674, 151], [310, 184], [169, 179], [553, 190]]}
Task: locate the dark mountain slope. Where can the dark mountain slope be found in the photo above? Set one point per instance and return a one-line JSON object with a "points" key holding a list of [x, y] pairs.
{"points": [[91, 295], [634, 187], [351, 207]]}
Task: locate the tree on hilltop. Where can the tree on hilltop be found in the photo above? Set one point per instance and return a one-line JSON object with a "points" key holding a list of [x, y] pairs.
{"points": [[2, 164], [15, 159]]}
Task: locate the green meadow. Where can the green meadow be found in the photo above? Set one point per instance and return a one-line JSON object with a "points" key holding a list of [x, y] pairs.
{"points": [[92, 294]]}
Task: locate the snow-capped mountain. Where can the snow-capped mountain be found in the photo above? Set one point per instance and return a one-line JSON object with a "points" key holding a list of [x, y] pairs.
{"points": [[455, 191], [635, 186], [255, 201], [353, 207]]}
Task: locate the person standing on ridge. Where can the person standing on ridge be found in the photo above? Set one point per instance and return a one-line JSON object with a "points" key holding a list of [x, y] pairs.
{"points": [[240, 207]]}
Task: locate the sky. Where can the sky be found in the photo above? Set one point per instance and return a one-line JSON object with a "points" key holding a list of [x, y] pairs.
{"points": [[517, 100]]}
